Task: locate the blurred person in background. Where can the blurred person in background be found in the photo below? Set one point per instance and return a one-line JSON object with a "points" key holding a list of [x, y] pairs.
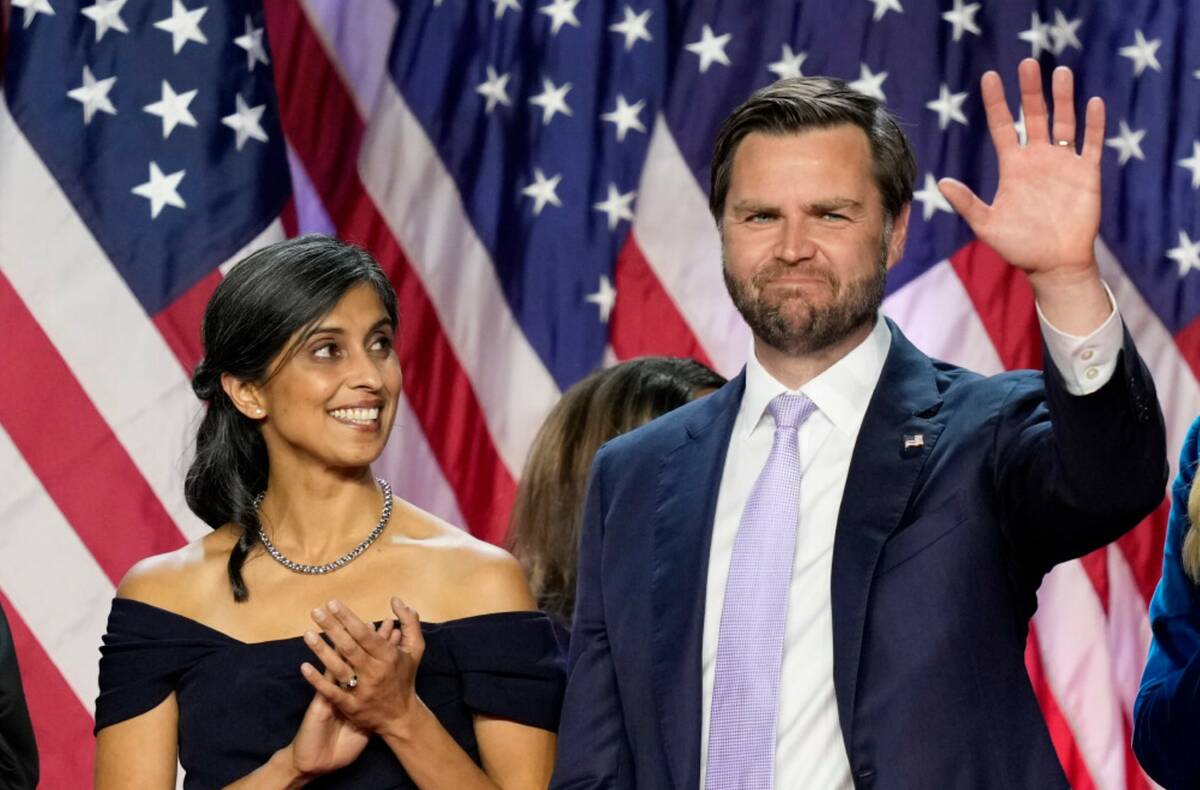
{"points": [[18, 749], [544, 527], [1167, 711]]}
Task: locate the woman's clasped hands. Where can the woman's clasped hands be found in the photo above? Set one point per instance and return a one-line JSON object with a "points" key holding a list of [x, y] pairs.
{"points": [[368, 685]]}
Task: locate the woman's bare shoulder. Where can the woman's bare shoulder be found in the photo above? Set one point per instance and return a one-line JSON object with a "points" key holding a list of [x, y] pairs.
{"points": [[480, 577], [178, 580]]}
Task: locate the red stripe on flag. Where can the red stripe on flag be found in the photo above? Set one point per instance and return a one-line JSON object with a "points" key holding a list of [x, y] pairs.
{"points": [[645, 320], [1188, 340], [289, 218], [1095, 565], [1142, 548], [62, 726], [1004, 301], [68, 445], [1060, 730], [323, 127], [179, 322]]}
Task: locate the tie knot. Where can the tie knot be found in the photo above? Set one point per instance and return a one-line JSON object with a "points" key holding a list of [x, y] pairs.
{"points": [[790, 411]]}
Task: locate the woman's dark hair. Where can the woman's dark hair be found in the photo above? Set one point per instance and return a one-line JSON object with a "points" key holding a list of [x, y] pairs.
{"points": [[268, 297], [546, 518]]}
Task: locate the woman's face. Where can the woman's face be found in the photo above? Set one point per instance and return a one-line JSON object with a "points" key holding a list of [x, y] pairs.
{"points": [[334, 399]]}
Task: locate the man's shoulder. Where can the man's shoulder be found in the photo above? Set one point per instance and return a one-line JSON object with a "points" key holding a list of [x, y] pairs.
{"points": [[664, 434]]}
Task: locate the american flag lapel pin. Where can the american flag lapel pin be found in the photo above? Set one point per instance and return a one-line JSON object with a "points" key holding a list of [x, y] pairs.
{"points": [[913, 443]]}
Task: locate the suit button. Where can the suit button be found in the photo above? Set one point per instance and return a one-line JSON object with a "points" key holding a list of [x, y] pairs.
{"points": [[864, 777]]}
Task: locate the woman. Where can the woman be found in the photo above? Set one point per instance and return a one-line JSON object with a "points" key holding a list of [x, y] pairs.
{"points": [[1167, 710], [544, 527], [211, 655]]}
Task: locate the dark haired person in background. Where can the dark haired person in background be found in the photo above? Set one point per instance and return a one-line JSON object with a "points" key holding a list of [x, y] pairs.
{"points": [[18, 749], [213, 654], [822, 574], [1166, 715], [543, 531]]}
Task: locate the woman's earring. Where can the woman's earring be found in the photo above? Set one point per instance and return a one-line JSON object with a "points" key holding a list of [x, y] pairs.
{"points": [[258, 411]]}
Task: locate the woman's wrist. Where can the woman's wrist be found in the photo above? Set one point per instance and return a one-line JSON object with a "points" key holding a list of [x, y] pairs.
{"points": [[404, 729], [282, 766]]}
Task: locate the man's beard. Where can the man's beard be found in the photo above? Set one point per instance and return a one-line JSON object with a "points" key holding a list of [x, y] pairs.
{"points": [[813, 328]]}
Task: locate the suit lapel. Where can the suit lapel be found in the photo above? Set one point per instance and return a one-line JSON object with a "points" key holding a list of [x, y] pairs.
{"points": [[685, 501], [878, 487]]}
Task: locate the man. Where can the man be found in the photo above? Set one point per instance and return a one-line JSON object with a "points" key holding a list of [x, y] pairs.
{"points": [[822, 575]]}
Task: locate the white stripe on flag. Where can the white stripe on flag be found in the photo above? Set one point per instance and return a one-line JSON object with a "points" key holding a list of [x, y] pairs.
{"points": [[409, 463], [935, 312], [71, 287], [679, 240], [1073, 637], [65, 602], [358, 36], [420, 203], [269, 235]]}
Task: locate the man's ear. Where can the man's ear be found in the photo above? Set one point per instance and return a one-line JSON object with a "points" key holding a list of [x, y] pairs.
{"points": [[245, 396], [899, 235]]}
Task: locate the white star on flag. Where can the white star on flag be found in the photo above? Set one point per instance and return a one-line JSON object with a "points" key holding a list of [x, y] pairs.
{"points": [[931, 198], [1192, 163], [173, 109], [561, 12], [183, 25], [107, 16], [1142, 53], [1038, 35], [883, 6], [32, 8], [252, 42], [161, 190], [788, 64], [247, 122], [1187, 254], [962, 17], [504, 5], [542, 191], [1063, 32], [616, 206], [633, 27], [93, 95], [710, 48], [948, 107], [552, 100], [625, 117], [494, 89], [1128, 143], [605, 298], [870, 84]]}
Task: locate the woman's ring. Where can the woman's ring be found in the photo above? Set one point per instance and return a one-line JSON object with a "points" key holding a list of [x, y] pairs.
{"points": [[350, 684], [1063, 142]]}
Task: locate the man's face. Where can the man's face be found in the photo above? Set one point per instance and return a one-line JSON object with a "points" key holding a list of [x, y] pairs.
{"points": [[804, 242]]}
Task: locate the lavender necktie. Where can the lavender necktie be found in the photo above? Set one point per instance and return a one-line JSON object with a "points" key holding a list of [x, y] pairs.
{"points": [[741, 737]]}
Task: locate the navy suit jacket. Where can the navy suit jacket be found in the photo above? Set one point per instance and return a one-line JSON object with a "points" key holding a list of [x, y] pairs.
{"points": [[937, 557], [1167, 712]]}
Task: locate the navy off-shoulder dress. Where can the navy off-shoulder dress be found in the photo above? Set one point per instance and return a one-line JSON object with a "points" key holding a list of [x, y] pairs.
{"points": [[239, 702]]}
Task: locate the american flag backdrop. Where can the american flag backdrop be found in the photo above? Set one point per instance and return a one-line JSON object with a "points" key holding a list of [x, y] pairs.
{"points": [[532, 175]]}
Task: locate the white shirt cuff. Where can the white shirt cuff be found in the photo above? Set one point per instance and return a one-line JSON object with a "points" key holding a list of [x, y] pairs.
{"points": [[1085, 363]]}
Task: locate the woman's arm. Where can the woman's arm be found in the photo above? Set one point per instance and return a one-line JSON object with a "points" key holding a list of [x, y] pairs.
{"points": [[140, 752]]}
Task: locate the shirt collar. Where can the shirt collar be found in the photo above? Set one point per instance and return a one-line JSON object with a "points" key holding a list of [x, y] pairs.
{"points": [[842, 392]]}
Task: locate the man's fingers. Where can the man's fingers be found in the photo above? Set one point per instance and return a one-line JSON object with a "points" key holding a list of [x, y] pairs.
{"points": [[999, 119], [1033, 102], [965, 202], [1062, 86], [1093, 130]]}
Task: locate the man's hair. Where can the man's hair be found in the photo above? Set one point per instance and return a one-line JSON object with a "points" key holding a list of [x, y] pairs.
{"points": [[799, 104]]}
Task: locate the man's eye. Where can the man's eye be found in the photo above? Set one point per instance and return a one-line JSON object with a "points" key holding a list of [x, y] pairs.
{"points": [[760, 219], [835, 216]]}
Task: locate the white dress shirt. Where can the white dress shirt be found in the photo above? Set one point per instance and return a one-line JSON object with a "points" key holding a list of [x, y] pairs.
{"points": [[809, 751]]}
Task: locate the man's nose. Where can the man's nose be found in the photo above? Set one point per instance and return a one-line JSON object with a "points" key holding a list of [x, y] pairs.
{"points": [[795, 243]]}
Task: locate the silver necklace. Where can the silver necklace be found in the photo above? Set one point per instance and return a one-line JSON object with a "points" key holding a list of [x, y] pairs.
{"points": [[346, 558]]}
